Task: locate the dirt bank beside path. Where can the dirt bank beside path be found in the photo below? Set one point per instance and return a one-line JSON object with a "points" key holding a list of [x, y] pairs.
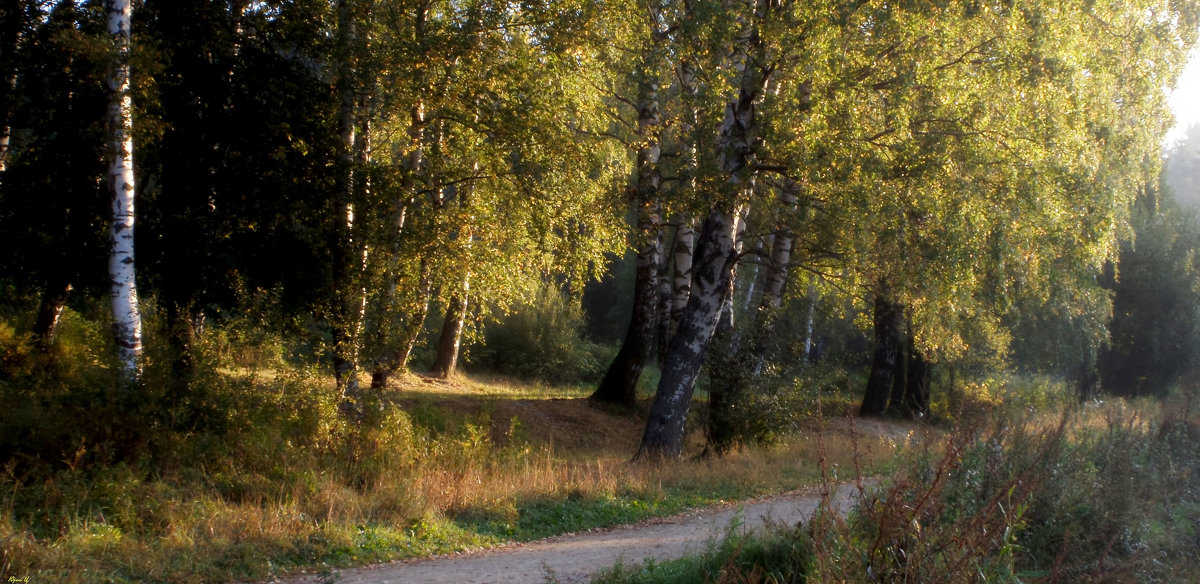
{"points": [[573, 559]]}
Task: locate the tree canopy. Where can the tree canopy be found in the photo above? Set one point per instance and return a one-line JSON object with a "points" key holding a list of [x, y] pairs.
{"points": [[966, 169]]}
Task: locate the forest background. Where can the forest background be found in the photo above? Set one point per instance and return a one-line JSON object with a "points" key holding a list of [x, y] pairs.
{"points": [[716, 218]]}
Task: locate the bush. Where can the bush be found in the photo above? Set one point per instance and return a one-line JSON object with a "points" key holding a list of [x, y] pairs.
{"points": [[543, 341]]}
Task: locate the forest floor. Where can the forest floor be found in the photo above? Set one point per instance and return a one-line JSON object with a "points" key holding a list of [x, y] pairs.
{"points": [[480, 468], [579, 431]]}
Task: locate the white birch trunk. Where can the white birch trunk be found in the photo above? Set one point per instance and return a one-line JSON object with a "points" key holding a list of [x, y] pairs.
{"points": [[127, 320], [11, 30], [810, 321], [10, 86], [781, 250], [716, 252], [685, 244], [715, 256], [685, 231], [752, 279]]}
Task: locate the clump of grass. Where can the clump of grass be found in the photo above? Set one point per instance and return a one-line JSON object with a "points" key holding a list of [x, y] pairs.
{"points": [[779, 557]]}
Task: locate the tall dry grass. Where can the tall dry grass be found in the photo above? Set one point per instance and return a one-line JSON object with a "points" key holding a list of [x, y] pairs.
{"points": [[278, 481]]}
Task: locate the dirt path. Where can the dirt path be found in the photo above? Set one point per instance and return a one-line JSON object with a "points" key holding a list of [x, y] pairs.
{"points": [[574, 559]]}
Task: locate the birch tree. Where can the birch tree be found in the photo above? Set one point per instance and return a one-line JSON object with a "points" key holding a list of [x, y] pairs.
{"points": [[127, 321], [986, 167], [13, 24], [716, 253], [619, 385], [349, 249], [488, 166]]}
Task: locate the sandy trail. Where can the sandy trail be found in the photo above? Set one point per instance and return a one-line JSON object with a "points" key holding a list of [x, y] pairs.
{"points": [[574, 559]]}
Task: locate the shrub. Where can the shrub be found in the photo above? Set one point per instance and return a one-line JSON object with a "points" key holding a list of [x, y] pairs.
{"points": [[543, 341]]}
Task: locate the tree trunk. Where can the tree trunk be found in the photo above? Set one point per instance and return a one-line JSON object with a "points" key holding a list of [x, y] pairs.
{"points": [[685, 232], [899, 379], [752, 279], [395, 355], [619, 385], [725, 420], [665, 298], [910, 384], [1087, 384], [781, 250], [127, 319], [685, 243], [716, 252], [11, 27], [450, 341], [809, 322], [451, 338], [916, 395], [775, 280], [713, 270], [396, 358], [54, 298], [888, 323], [348, 253]]}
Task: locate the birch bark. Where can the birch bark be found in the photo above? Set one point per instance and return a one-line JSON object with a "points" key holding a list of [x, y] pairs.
{"points": [[781, 251], [349, 253], [685, 244], [619, 385], [716, 253], [713, 268], [127, 320], [10, 35]]}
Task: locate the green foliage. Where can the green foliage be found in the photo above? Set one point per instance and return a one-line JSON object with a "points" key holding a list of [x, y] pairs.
{"points": [[1016, 394], [257, 333], [543, 340], [253, 471], [773, 406], [1155, 327]]}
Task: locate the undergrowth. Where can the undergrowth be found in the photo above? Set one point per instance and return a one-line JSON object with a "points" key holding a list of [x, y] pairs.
{"points": [[247, 471], [1103, 493]]}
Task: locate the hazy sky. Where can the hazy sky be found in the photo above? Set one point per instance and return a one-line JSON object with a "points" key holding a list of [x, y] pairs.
{"points": [[1185, 100]]}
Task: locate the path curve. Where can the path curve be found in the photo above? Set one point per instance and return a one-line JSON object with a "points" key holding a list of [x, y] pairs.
{"points": [[574, 559]]}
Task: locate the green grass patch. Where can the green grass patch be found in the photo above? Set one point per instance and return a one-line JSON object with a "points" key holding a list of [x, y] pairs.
{"points": [[779, 557]]}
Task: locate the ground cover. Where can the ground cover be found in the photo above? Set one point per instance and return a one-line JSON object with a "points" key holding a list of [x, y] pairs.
{"points": [[275, 482]]}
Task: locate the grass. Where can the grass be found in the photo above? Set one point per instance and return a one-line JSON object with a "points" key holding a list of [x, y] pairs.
{"points": [[260, 477], [249, 471], [1104, 494]]}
